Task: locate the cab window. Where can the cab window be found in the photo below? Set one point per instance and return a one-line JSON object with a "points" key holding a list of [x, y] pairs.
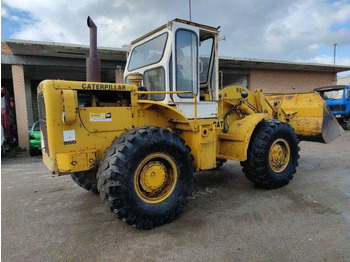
{"points": [[186, 47], [154, 80], [148, 53], [205, 53]]}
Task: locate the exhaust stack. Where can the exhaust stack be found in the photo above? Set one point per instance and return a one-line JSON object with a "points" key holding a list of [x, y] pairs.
{"points": [[92, 62]]}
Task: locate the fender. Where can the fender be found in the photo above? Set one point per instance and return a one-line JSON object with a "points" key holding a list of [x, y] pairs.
{"points": [[170, 113], [234, 144]]}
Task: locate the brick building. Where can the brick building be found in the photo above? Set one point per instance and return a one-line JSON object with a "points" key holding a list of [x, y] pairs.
{"points": [[25, 63]]}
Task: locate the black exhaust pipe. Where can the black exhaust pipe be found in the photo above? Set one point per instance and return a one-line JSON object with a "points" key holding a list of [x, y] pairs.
{"points": [[92, 62]]}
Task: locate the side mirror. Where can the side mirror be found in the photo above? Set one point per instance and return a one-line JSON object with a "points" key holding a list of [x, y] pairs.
{"points": [[69, 102]]}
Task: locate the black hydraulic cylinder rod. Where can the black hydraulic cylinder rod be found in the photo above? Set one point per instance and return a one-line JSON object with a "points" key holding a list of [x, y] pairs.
{"points": [[92, 62]]}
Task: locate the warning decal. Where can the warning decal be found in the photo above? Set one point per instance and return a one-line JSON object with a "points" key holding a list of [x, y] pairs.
{"points": [[69, 137], [100, 117]]}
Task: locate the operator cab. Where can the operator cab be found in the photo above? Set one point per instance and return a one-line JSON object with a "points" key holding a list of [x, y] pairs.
{"points": [[179, 56]]}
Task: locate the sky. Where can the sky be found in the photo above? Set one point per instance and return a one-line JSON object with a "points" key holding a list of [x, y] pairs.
{"points": [[289, 30]]}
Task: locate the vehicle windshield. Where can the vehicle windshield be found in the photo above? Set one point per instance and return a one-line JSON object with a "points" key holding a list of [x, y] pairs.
{"points": [[332, 94], [36, 127], [148, 53]]}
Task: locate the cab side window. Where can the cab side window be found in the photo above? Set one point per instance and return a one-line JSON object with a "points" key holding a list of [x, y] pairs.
{"points": [[186, 46]]}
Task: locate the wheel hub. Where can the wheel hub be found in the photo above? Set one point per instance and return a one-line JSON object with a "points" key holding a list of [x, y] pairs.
{"points": [[279, 155], [153, 177]]}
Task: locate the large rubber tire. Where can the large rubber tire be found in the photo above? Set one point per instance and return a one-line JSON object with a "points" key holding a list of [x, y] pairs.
{"points": [[220, 162], [117, 172], [347, 124], [257, 167], [86, 180]]}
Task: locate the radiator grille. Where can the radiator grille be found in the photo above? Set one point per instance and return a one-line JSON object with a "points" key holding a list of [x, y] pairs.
{"points": [[42, 120], [337, 107]]}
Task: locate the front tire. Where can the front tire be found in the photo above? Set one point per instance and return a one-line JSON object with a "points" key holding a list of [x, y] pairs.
{"points": [[146, 176], [347, 124], [272, 155]]}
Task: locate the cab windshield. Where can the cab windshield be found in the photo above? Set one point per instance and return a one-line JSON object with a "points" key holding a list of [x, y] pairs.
{"points": [[332, 94], [148, 53]]}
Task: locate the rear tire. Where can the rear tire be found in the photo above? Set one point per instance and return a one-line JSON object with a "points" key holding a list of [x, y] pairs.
{"points": [[86, 180], [272, 155], [146, 177]]}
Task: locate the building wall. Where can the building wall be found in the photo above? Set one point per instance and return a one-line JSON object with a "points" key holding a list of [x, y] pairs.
{"points": [[20, 105], [275, 81], [5, 49]]}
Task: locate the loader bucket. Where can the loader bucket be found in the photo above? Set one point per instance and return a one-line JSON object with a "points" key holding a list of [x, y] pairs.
{"points": [[308, 114], [330, 126]]}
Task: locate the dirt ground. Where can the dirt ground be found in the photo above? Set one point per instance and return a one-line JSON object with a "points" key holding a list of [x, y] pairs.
{"points": [[45, 218]]}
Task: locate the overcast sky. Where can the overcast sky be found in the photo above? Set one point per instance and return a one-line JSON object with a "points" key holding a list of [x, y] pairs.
{"points": [[299, 30]]}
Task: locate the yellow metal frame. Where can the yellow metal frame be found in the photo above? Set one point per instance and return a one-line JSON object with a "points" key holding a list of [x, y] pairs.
{"points": [[174, 92], [224, 137]]}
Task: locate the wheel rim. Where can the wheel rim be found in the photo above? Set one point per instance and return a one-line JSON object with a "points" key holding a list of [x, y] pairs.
{"points": [[155, 177], [279, 155]]}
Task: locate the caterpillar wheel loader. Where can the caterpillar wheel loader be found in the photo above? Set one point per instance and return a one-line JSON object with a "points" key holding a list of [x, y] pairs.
{"points": [[138, 143]]}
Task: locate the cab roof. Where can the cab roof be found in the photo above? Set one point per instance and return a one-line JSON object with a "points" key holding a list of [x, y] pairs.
{"points": [[177, 20], [326, 88]]}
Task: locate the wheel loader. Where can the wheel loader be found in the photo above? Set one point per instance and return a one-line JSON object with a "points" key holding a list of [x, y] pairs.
{"points": [[138, 143]]}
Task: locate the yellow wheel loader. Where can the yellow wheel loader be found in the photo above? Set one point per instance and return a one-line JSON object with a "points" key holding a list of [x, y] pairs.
{"points": [[138, 143]]}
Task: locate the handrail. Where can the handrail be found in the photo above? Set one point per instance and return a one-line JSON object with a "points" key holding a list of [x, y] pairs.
{"points": [[174, 92]]}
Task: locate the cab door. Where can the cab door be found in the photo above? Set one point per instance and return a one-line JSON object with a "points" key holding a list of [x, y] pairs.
{"points": [[185, 62], [186, 73]]}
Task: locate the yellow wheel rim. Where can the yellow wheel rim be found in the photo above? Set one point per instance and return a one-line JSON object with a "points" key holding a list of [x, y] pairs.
{"points": [[155, 177], [279, 155]]}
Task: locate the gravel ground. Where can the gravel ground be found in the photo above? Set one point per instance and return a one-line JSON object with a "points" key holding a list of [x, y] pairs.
{"points": [[46, 218]]}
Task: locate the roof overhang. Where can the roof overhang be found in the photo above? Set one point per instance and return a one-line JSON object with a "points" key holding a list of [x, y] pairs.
{"points": [[60, 50], [34, 48], [246, 63]]}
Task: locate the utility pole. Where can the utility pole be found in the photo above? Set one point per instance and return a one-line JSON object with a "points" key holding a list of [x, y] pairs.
{"points": [[189, 4], [335, 50]]}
